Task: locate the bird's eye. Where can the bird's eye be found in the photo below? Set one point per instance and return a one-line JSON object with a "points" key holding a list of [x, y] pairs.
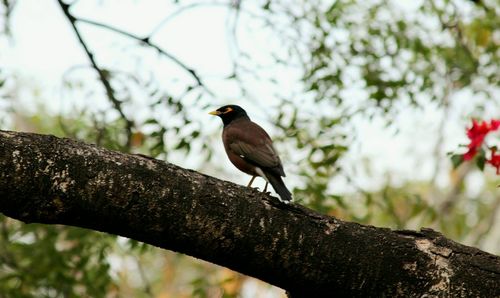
{"points": [[228, 110]]}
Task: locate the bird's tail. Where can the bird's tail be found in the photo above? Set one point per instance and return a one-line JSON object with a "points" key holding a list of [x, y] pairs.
{"points": [[280, 187]]}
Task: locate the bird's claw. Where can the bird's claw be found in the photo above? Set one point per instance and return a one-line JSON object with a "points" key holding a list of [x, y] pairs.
{"points": [[264, 191]]}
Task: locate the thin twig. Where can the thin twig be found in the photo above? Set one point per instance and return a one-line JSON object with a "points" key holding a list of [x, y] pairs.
{"points": [[451, 198], [486, 226], [147, 41], [438, 146], [180, 11], [103, 75], [459, 36], [147, 285]]}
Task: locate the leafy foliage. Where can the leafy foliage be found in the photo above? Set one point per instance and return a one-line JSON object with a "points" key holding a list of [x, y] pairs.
{"points": [[401, 56], [52, 261]]}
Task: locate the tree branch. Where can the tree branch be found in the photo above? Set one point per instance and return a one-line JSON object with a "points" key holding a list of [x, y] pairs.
{"points": [[147, 41], [60, 181], [183, 9], [103, 75]]}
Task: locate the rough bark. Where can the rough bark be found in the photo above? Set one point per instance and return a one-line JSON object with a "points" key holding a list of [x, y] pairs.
{"points": [[60, 181]]}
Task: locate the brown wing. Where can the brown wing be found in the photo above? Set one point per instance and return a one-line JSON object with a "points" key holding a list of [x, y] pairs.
{"points": [[253, 144]]}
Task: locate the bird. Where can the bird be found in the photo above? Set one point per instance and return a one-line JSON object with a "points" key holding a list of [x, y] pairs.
{"points": [[251, 150]]}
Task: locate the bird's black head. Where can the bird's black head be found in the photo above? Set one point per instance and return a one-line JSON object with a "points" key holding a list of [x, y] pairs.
{"points": [[229, 113]]}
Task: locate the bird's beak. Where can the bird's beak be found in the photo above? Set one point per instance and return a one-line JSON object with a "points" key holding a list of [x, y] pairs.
{"points": [[215, 113]]}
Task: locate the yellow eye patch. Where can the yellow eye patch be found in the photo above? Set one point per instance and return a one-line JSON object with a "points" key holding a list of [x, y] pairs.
{"points": [[228, 110]]}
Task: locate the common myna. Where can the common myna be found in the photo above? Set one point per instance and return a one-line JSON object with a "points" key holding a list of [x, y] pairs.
{"points": [[250, 149]]}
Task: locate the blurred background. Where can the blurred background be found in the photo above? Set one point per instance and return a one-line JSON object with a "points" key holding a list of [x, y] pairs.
{"points": [[364, 100]]}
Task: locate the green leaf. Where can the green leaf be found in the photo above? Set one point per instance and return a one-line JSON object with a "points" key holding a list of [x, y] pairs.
{"points": [[480, 161], [456, 160], [151, 121]]}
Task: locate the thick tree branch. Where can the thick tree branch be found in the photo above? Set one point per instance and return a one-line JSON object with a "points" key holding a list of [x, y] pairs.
{"points": [[50, 180]]}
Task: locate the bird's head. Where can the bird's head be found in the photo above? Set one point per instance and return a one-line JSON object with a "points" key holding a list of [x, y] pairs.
{"points": [[229, 113]]}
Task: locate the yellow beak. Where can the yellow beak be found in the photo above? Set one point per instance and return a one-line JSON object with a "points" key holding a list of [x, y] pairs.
{"points": [[215, 113]]}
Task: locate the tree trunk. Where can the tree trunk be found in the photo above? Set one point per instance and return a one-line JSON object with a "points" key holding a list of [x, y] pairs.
{"points": [[60, 181]]}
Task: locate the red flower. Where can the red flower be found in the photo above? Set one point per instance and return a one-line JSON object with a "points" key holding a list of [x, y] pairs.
{"points": [[495, 159], [495, 124], [476, 135]]}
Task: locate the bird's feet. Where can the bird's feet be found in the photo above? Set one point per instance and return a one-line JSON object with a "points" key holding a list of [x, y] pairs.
{"points": [[263, 191]]}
